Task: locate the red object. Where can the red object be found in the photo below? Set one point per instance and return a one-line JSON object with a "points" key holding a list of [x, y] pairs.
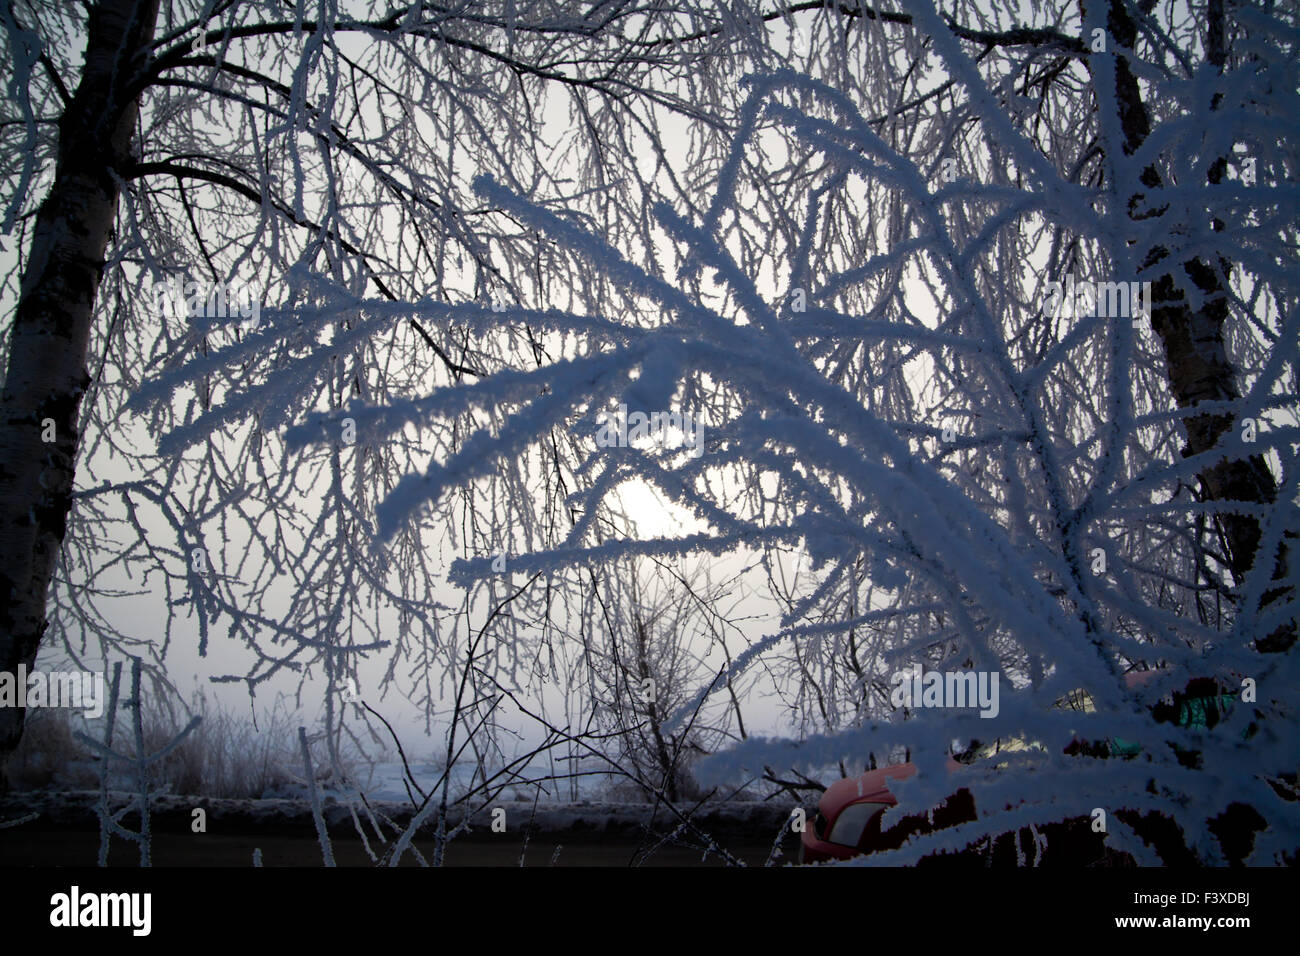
{"points": [[849, 816], [1135, 679], [848, 822]]}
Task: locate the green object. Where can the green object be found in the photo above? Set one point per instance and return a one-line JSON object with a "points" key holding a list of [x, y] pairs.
{"points": [[1192, 714], [1196, 712], [1120, 747]]}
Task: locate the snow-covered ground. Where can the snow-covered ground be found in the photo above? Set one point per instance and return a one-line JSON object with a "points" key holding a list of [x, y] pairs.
{"points": [[76, 810], [387, 781]]}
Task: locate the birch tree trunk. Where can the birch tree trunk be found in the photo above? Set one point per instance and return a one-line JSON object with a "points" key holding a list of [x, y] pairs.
{"points": [[1198, 365], [46, 376]]}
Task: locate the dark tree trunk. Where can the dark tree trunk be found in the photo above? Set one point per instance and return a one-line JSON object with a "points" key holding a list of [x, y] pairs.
{"points": [[1197, 359], [46, 375]]}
